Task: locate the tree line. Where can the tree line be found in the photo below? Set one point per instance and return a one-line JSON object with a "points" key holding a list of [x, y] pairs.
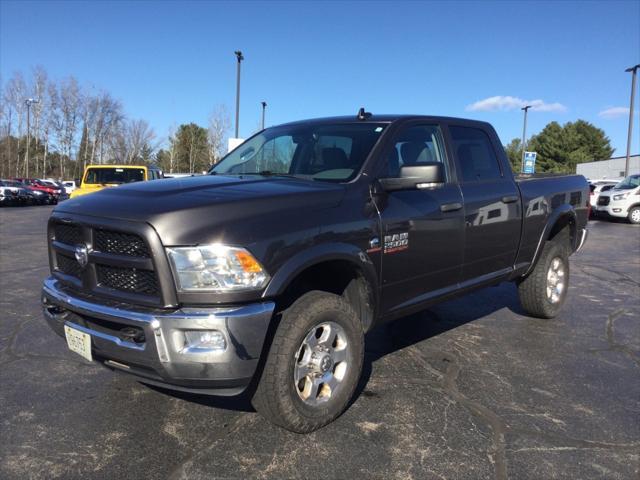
{"points": [[71, 126], [560, 148]]}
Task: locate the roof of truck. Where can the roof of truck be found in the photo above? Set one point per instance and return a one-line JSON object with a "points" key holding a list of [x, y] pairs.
{"points": [[381, 118]]}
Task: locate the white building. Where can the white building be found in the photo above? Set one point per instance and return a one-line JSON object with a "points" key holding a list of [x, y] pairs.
{"points": [[610, 169]]}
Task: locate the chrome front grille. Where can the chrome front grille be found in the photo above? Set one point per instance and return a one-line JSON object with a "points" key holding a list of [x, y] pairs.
{"points": [[119, 264]]}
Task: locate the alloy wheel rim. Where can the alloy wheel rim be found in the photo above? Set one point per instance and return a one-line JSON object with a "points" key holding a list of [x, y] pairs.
{"points": [[321, 363], [635, 215], [556, 280]]}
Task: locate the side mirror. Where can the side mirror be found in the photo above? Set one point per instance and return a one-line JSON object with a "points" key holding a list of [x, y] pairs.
{"points": [[77, 182], [425, 175]]}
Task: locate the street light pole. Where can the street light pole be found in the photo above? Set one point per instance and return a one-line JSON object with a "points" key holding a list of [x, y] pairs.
{"points": [[264, 106], [634, 70], [240, 58], [28, 102], [524, 133]]}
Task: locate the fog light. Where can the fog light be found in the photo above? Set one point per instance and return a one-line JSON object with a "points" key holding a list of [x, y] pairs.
{"points": [[617, 210], [204, 341]]}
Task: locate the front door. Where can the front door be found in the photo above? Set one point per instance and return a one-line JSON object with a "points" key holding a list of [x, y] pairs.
{"points": [[422, 237]]}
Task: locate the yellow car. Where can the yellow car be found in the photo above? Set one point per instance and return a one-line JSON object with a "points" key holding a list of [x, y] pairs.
{"points": [[97, 177]]}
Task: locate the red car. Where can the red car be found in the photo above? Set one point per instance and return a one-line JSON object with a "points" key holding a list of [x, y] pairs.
{"points": [[38, 185]]}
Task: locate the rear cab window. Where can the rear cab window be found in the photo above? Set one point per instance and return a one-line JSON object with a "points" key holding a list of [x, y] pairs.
{"points": [[477, 159]]}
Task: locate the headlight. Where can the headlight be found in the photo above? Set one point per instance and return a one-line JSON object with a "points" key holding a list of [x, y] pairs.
{"points": [[622, 196], [216, 268]]}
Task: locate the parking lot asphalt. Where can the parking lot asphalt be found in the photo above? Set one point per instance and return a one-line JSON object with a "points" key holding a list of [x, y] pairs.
{"points": [[472, 388]]}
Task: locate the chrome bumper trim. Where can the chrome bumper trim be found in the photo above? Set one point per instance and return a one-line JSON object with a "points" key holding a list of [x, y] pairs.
{"points": [[244, 328], [583, 238]]}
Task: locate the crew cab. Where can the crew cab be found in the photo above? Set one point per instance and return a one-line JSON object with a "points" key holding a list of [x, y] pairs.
{"points": [[97, 177], [263, 276]]}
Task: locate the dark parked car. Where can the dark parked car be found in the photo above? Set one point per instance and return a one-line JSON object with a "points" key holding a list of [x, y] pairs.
{"points": [[33, 196], [52, 190], [265, 274]]}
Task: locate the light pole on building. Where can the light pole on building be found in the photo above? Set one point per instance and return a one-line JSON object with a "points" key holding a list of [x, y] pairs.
{"points": [[28, 102], [264, 107], [634, 70], [239, 57], [524, 133]]}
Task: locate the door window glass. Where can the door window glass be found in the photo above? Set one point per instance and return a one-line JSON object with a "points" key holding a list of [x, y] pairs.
{"points": [[475, 153], [415, 146]]}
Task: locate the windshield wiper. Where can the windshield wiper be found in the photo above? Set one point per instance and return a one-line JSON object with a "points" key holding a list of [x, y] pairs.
{"points": [[269, 173]]}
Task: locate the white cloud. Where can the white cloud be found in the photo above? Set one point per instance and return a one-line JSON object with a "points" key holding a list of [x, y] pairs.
{"points": [[614, 112], [506, 103]]}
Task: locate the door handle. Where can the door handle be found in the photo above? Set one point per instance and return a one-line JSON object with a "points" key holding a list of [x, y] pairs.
{"points": [[450, 207], [510, 199]]}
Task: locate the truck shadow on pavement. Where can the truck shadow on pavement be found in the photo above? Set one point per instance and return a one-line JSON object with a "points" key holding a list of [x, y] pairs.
{"points": [[392, 337]]}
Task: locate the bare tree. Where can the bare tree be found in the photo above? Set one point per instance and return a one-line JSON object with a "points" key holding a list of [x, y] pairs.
{"points": [[140, 136], [130, 140], [219, 125], [172, 149], [38, 110], [15, 92], [5, 126], [109, 117], [67, 118]]}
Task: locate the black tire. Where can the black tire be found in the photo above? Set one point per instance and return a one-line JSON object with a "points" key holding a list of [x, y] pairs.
{"points": [[533, 289], [634, 215], [276, 397]]}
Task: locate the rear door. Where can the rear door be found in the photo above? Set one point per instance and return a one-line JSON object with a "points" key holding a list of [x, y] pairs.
{"points": [[492, 212], [422, 237]]}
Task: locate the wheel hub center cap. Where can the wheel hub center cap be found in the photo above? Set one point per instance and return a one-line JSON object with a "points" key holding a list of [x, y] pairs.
{"points": [[326, 363]]}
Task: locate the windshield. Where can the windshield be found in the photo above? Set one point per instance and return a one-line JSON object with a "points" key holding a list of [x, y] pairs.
{"points": [[318, 152], [632, 181], [114, 175]]}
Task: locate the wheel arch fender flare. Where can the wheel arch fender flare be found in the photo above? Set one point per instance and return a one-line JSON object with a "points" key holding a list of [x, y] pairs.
{"points": [[316, 255], [560, 213]]}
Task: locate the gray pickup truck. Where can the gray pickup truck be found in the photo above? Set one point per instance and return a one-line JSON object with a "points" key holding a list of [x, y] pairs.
{"points": [[263, 277]]}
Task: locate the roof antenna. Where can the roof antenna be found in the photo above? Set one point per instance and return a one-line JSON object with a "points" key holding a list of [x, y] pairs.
{"points": [[362, 115]]}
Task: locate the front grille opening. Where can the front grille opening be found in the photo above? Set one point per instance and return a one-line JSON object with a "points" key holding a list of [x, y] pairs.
{"points": [[68, 265], [108, 241], [69, 234], [128, 279]]}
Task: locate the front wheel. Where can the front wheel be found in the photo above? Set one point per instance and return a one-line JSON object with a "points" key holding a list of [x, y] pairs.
{"points": [[543, 292], [634, 215], [313, 365]]}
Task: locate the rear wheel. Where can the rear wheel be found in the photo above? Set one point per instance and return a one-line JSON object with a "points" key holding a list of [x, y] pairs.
{"points": [[543, 292], [634, 215], [313, 365]]}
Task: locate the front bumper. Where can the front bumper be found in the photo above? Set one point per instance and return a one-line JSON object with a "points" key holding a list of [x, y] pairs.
{"points": [[614, 209], [143, 342]]}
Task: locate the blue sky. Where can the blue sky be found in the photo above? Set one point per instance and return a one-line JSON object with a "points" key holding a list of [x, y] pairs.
{"points": [[173, 62]]}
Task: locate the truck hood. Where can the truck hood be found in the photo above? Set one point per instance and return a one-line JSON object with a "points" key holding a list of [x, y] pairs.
{"points": [[195, 210]]}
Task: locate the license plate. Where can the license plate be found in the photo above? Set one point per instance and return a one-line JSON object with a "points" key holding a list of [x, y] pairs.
{"points": [[78, 342]]}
